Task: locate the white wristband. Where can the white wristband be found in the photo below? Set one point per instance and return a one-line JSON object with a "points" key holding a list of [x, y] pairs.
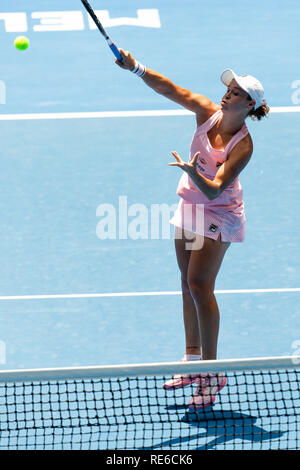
{"points": [[136, 67], [139, 69]]}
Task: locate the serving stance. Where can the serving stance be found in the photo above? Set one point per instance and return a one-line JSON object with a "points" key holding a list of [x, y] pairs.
{"points": [[210, 214]]}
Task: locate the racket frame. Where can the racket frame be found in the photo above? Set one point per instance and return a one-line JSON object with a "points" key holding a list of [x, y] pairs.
{"points": [[97, 22]]}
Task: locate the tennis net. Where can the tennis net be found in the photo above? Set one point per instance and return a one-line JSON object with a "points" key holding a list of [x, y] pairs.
{"points": [[127, 407]]}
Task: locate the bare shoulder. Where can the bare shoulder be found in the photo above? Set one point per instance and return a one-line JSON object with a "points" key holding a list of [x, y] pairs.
{"points": [[206, 110], [237, 160], [245, 145], [242, 151], [199, 104]]}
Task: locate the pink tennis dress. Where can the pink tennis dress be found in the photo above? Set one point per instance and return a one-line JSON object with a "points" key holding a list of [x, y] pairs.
{"points": [[196, 213]]}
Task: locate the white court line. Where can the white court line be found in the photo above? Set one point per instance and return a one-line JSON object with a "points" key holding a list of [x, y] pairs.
{"points": [[120, 114], [117, 114], [138, 294]]}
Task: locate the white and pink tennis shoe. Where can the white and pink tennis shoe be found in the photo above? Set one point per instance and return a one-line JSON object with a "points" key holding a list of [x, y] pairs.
{"points": [[180, 381], [205, 395], [208, 385]]}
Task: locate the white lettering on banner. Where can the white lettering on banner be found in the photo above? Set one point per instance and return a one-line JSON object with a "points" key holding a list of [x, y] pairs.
{"points": [[2, 92], [296, 353], [2, 352], [59, 21], [14, 22], [75, 20], [145, 18], [296, 94]]}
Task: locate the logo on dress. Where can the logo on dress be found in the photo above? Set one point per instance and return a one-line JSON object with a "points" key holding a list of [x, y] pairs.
{"points": [[213, 228], [219, 164], [200, 168], [202, 160]]}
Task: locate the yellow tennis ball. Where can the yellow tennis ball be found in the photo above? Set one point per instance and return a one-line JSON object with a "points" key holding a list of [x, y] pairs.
{"points": [[21, 43]]}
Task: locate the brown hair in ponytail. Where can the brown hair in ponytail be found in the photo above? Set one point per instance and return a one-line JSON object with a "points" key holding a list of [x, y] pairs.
{"points": [[260, 112]]}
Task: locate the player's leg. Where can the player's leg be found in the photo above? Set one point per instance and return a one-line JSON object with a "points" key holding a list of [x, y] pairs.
{"points": [[183, 240], [204, 265]]}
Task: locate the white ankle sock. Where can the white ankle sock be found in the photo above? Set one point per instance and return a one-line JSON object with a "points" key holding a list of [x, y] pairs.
{"points": [[192, 357]]}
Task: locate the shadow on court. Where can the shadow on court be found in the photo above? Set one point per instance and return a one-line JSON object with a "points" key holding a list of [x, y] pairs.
{"points": [[218, 428]]}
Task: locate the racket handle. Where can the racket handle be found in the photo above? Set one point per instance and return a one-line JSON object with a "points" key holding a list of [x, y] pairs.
{"points": [[115, 50]]}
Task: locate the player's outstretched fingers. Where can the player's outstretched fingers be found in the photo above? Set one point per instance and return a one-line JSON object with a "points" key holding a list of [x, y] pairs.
{"points": [[194, 159], [179, 162]]}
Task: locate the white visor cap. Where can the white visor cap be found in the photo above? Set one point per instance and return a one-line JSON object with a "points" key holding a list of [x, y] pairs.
{"points": [[248, 83]]}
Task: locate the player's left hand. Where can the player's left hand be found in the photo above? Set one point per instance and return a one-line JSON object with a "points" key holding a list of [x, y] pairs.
{"points": [[190, 167]]}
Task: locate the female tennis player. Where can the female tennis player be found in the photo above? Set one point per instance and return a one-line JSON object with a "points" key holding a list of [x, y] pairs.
{"points": [[210, 215]]}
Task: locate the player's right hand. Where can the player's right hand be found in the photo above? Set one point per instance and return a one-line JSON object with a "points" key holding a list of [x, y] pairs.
{"points": [[128, 62]]}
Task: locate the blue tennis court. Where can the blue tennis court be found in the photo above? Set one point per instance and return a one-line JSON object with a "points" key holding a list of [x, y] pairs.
{"points": [[80, 136]]}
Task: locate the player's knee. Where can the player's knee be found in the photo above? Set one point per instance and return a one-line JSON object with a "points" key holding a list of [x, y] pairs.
{"points": [[185, 286], [201, 290]]}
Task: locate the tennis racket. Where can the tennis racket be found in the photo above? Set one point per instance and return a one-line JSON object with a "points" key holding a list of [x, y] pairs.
{"points": [[113, 47]]}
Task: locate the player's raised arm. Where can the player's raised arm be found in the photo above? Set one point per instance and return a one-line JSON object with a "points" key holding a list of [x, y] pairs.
{"points": [[195, 102]]}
